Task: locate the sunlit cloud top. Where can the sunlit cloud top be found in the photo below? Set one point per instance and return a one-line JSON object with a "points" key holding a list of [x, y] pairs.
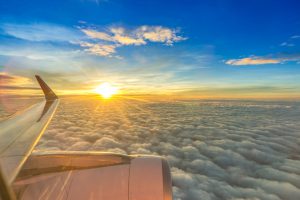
{"points": [[105, 43], [255, 60], [154, 47], [252, 61]]}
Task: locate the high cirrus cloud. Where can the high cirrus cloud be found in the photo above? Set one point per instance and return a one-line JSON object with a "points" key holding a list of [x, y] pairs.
{"points": [[12, 80], [39, 32], [118, 36], [263, 60], [252, 61]]}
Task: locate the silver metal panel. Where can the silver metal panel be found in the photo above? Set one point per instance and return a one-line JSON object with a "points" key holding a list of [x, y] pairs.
{"points": [[19, 135], [93, 175], [75, 176], [109, 183], [105, 183], [146, 179]]}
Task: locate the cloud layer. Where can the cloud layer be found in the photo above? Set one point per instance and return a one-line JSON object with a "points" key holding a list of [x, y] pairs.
{"points": [[217, 149]]}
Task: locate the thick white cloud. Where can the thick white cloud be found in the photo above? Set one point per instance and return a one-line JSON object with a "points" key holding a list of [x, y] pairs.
{"points": [[217, 150]]}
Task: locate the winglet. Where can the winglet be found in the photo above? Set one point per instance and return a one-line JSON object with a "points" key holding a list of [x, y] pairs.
{"points": [[49, 94]]}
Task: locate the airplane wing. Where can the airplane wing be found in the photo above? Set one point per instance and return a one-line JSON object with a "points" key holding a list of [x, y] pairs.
{"points": [[21, 132], [72, 175]]}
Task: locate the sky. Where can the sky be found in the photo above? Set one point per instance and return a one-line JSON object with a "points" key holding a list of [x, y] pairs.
{"points": [[205, 49]]}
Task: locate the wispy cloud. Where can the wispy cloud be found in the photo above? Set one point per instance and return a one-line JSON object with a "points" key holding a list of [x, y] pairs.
{"points": [[95, 1], [39, 32], [116, 37], [286, 44], [97, 35], [38, 52], [263, 60], [8, 81], [291, 42], [18, 88], [99, 49], [252, 61], [272, 58], [295, 37]]}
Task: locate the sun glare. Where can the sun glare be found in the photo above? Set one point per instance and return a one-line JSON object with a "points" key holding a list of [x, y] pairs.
{"points": [[106, 90]]}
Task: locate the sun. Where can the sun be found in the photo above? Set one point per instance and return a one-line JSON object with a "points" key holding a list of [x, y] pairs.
{"points": [[106, 90]]}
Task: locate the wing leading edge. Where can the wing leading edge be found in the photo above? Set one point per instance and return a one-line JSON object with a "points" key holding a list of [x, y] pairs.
{"points": [[20, 133]]}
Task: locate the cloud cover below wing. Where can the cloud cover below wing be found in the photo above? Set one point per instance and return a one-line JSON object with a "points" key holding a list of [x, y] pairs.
{"points": [[217, 149]]}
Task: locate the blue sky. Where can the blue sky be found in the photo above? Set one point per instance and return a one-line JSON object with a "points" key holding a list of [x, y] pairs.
{"points": [[221, 49]]}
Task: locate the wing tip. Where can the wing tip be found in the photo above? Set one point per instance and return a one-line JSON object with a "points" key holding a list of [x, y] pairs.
{"points": [[49, 94]]}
